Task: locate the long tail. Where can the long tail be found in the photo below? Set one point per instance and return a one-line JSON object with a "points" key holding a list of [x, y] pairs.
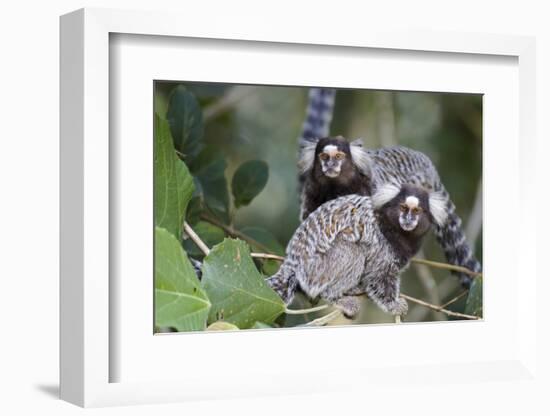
{"points": [[318, 113], [284, 283], [320, 107], [453, 241]]}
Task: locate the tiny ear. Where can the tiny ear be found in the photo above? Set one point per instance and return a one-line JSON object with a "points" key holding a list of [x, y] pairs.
{"points": [[360, 157], [438, 207], [384, 194], [306, 155]]}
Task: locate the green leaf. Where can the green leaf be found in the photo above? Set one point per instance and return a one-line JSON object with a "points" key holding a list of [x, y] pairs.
{"points": [[474, 303], [248, 181], [265, 238], [269, 241], [173, 182], [238, 293], [208, 233], [209, 170], [180, 301], [222, 326], [184, 116]]}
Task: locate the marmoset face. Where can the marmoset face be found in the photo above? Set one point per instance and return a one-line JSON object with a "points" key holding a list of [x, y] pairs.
{"points": [[331, 159], [409, 210], [409, 213]]}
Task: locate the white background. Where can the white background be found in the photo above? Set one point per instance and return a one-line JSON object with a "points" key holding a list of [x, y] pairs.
{"points": [[29, 208]]}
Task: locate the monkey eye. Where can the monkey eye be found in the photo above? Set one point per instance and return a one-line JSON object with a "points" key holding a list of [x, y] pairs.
{"points": [[417, 210], [323, 156], [403, 207], [340, 156]]}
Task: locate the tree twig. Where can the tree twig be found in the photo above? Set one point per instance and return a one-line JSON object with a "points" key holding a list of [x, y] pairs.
{"points": [[457, 297], [267, 256], [323, 320], [304, 311], [196, 239], [233, 232], [446, 266], [438, 308]]}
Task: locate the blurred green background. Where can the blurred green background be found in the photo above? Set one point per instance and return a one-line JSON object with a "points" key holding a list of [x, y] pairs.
{"points": [[243, 122]]}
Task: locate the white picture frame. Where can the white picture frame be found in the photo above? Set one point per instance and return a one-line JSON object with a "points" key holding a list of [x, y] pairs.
{"points": [[87, 302]]}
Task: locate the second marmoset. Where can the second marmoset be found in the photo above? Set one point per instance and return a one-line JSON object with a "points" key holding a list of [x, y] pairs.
{"points": [[356, 245]]}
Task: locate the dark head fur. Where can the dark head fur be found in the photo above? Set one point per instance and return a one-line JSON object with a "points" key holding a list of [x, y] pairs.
{"points": [[333, 163], [406, 213], [332, 167]]}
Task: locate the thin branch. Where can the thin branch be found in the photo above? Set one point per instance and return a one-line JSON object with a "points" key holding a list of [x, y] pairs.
{"points": [[304, 311], [323, 320], [446, 266], [233, 232], [196, 239], [438, 308], [457, 297], [267, 256]]}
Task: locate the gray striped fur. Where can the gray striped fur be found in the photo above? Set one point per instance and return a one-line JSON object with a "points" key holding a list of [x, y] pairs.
{"points": [[397, 165], [340, 252]]}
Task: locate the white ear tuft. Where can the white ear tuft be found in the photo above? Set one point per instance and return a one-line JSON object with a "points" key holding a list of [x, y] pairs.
{"points": [[384, 194], [438, 207], [307, 154], [360, 157]]}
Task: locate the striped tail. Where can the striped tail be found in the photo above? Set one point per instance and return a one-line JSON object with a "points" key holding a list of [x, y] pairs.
{"points": [[284, 283], [316, 126], [318, 114], [453, 241]]}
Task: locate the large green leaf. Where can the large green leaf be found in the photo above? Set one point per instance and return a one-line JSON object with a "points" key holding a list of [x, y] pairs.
{"points": [[173, 182], [185, 118], [180, 301], [474, 303], [238, 293], [248, 181]]}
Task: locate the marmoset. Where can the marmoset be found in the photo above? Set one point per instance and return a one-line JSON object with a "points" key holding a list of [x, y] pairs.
{"points": [[330, 167], [355, 245]]}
